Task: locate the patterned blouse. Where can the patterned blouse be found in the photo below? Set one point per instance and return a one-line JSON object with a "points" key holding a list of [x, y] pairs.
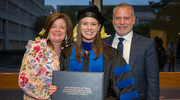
{"points": [[36, 70]]}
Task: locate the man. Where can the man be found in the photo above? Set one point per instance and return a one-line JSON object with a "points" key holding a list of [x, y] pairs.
{"points": [[171, 52], [139, 52]]}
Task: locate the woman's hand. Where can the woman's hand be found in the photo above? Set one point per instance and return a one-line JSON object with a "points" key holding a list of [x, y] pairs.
{"points": [[63, 47], [52, 89]]}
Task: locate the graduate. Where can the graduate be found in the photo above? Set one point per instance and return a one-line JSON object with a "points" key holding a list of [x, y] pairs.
{"points": [[89, 54]]}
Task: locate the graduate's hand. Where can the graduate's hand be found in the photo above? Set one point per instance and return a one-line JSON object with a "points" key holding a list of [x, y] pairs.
{"points": [[52, 89]]}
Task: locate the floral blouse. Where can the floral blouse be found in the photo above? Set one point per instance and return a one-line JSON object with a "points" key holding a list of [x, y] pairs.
{"points": [[36, 70]]}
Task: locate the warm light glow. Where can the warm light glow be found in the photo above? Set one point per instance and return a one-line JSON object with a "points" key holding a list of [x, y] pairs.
{"points": [[51, 12], [179, 33]]}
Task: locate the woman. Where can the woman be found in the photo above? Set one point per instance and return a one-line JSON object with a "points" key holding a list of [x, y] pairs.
{"points": [[42, 57], [89, 54]]}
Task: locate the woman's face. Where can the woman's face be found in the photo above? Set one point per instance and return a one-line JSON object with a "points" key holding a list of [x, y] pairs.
{"points": [[89, 28], [57, 32]]}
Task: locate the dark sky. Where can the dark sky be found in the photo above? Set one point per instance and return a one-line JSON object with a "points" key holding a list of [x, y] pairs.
{"points": [[105, 2]]}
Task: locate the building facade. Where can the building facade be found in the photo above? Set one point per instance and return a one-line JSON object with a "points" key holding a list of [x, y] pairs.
{"points": [[16, 22], [143, 13]]}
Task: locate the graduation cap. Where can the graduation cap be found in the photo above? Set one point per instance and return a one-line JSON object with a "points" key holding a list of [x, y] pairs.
{"points": [[92, 11]]}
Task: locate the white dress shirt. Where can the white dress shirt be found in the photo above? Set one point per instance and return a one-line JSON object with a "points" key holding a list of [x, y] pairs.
{"points": [[126, 44]]}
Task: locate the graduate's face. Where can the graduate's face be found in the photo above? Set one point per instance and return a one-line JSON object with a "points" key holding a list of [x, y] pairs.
{"points": [[57, 31], [89, 28]]}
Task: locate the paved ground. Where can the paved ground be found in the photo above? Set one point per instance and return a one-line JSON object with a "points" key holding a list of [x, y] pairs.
{"points": [[170, 93], [11, 94]]}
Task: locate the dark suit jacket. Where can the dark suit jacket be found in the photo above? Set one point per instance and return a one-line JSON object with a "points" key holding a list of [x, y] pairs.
{"points": [[143, 62]]}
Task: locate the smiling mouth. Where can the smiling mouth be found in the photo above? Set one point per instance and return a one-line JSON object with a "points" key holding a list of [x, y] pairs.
{"points": [[89, 33], [122, 27], [57, 34]]}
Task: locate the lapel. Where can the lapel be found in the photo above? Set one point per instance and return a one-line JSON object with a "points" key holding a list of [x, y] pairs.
{"points": [[109, 40], [134, 50], [134, 47]]}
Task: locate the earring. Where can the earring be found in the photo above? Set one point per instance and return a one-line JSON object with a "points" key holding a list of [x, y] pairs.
{"points": [[98, 35], [66, 38]]}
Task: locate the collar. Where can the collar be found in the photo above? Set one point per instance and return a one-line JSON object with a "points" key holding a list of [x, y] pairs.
{"points": [[126, 37], [87, 46]]}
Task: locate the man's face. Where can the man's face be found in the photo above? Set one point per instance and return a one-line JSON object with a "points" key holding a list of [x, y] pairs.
{"points": [[123, 21]]}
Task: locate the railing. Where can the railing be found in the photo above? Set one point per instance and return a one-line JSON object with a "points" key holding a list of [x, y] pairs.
{"points": [[9, 81], [167, 80]]}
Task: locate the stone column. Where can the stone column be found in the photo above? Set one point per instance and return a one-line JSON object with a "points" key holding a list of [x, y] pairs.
{"points": [[98, 3]]}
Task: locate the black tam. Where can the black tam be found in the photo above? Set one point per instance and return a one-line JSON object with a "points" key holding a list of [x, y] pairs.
{"points": [[92, 11]]}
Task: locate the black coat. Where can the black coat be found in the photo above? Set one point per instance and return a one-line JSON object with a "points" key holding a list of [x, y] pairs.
{"points": [[112, 60]]}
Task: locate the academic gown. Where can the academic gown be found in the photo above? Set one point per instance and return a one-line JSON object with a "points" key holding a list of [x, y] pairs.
{"points": [[118, 81]]}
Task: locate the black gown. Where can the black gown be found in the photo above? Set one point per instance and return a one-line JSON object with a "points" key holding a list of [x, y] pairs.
{"points": [[111, 61]]}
